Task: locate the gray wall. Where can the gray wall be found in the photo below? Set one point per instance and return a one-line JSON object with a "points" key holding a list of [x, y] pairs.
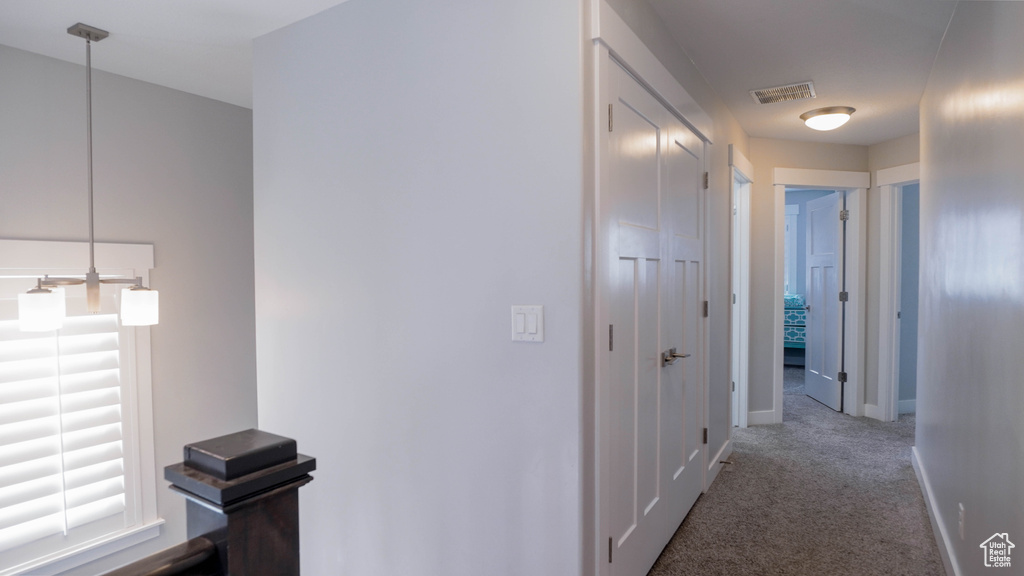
{"points": [[909, 246], [173, 170], [970, 401], [800, 198], [417, 172]]}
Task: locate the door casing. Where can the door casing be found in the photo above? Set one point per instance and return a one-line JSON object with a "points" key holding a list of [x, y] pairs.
{"points": [[742, 172], [855, 185], [890, 182]]}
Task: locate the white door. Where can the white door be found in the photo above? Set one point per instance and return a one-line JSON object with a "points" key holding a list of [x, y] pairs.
{"points": [[683, 381], [650, 293], [824, 257]]}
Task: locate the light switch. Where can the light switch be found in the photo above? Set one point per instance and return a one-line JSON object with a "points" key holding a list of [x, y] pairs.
{"points": [[527, 323]]}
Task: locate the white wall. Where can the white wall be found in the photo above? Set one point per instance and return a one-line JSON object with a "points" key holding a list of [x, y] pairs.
{"points": [[417, 172], [970, 398], [173, 170]]}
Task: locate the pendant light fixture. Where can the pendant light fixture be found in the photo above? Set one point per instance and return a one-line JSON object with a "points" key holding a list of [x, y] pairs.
{"points": [[43, 307], [827, 118]]}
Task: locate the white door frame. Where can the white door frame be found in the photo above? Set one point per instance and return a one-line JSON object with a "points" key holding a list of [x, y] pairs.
{"points": [[742, 172], [890, 184], [855, 186]]}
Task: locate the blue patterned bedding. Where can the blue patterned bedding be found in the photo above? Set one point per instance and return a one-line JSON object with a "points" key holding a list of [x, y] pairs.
{"points": [[795, 329]]}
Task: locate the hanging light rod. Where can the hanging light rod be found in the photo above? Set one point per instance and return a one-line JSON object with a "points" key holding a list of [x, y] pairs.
{"points": [[42, 308], [90, 33]]}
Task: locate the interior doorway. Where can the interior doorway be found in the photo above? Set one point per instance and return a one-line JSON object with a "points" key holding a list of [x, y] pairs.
{"points": [[812, 329], [742, 180], [845, 371], [910, 234], [795, 275], [899, 195]]}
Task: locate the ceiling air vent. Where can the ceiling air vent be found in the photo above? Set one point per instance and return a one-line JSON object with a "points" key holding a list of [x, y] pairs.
{"points": [[801, 91]]}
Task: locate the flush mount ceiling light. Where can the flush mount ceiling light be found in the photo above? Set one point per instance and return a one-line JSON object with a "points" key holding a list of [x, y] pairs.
{"points": [[43, 307], [828, 118]]}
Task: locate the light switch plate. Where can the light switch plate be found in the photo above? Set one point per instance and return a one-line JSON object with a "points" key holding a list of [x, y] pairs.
{"points": [[527, 323]]}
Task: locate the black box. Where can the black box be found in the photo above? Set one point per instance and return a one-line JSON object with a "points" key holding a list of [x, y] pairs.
{"points": [[229, 457]]}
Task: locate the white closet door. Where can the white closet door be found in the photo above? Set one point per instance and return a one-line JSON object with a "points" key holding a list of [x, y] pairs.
{"points": [[651, 227]]}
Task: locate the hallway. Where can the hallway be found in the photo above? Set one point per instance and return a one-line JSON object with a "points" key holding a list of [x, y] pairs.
{"points": [[822, 493]]}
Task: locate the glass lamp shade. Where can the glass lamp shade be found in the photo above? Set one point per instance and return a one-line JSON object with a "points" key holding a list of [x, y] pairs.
{"points": [[827, 118], [41, 310], [140, 307], [827, 121]]}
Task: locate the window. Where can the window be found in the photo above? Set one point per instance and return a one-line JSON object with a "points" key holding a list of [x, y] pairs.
{"points": [[77, 473]]}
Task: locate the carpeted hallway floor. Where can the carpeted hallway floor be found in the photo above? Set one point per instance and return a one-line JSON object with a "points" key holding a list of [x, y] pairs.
{"points": [[820, 494]]}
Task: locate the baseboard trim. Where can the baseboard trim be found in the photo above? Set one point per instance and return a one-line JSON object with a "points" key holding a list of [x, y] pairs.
{"points": [[942, 537], [908, 406], [760, 417], [873, 411]]}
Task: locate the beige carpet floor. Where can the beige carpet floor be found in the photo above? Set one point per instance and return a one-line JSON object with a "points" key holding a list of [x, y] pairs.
{"points": [[821, 494]]}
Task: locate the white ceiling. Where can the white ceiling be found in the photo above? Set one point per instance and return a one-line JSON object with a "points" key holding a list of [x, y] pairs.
{"points": [[874, 55], [198, 46]]}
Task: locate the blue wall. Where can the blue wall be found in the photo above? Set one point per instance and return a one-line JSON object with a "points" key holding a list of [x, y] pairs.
{"points": [[909, 290], [800, 198]]}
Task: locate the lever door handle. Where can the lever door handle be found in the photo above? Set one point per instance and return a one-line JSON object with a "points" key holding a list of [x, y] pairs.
{"points": [[669, 357]]}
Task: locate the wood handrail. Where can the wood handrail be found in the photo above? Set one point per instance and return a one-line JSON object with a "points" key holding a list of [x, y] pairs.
{"points": [[197, 557]]}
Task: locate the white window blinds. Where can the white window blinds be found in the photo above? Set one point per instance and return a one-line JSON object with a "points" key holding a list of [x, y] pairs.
{"points": [[78, 477], [62, 470]]}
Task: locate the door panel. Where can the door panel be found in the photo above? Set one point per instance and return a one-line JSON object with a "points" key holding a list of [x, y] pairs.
{"points": [[652, 213], [647, 392], [636, 146], [823, 321], [622, 397], [686, 200]]}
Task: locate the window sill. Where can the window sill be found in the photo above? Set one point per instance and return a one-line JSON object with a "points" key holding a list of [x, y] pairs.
{"points": [[94, 550]]}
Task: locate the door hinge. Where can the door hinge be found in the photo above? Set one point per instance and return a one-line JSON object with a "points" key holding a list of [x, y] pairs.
{"points": [[733, 386], [899, 315], [844, 215], [844, 296], [705, 308], [705, 435], [609, 117], [842, 377], [707, 181], [611, 337], [609, 549]]}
